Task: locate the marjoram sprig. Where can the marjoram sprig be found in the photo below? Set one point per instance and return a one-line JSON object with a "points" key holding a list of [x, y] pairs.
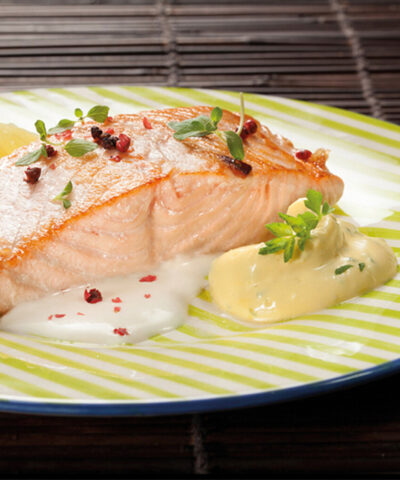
{"points": [[202, 126], [75, 147], [296, 230]]}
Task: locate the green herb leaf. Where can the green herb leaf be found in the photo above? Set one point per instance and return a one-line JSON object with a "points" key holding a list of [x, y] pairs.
{"points": [[342, 269], [79, 147], [297, 230], [61, 126], [202, 126], [61, 197], [41, 130], [314, 201], [78, 112], [301, 242], [216, 115], [32, 157], [67, 190], [288, 253], [235, 145], [279, 229], [361, 266], [274, 245], [98, 113], [310, 220], [193, 127], [302, 238], [297, 223], [326, 209], [66, 203]]}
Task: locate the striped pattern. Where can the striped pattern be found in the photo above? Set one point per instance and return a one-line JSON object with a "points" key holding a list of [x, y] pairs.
{"points": [[211, 355]]}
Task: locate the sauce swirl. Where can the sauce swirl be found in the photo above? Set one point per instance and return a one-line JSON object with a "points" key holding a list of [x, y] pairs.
{"points": [[261, 288]]}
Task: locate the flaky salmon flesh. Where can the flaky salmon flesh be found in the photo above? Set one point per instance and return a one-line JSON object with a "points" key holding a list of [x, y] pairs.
{"points": [[164, 197]]}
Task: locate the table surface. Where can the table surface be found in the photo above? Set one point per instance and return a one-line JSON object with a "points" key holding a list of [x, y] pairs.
{"points": [[339, 52]]}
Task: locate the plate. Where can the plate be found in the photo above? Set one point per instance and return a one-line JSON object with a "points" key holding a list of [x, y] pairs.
{"points": [[211, 362]]}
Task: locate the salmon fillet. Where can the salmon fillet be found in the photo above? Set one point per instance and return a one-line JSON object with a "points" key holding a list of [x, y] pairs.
{"points": [[165, 197]]}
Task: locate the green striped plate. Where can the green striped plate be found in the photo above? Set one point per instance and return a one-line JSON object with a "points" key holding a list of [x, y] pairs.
{"points": [[212, 362]]}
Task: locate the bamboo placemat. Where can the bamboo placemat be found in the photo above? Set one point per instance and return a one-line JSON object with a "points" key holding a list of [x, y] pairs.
{"points": [[339, 52]]}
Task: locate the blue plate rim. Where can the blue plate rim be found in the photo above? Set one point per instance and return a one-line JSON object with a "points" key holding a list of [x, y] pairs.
{"points": [[213, 404]]}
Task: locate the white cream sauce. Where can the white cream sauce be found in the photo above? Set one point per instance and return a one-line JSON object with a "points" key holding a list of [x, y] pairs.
{"points": [[146, 308]]}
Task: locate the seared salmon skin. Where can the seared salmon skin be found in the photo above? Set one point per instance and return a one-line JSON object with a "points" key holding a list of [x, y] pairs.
{"points": [[131, 210]]}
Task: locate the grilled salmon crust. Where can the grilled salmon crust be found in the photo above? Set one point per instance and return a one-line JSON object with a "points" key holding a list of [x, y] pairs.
{"points": [[164, 197]]}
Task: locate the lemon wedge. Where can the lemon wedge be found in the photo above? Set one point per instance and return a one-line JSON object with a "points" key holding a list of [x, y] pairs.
{"points": [[12, 137]]}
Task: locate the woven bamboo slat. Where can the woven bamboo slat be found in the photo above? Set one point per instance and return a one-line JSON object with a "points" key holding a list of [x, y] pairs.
{"points": [[300, 49]]}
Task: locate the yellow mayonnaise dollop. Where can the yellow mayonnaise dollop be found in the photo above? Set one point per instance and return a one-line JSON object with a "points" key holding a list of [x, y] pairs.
{"points": [[13, 137], [263, 288]]}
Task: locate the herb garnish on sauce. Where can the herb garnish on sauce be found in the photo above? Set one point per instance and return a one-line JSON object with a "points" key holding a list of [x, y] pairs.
{"points": [[343, 269], [296, 230]]}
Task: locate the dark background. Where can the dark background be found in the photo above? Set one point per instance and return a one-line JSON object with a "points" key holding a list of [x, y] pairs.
{"points": [[339, 52]]}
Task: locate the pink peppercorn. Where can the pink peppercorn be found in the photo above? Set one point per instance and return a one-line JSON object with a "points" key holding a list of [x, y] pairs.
{"points": [[249, 128], [115, 158], [93, 296], [146, 123], [121, 331], [303, 154], [50, 150], [123, 143], [66, 135], [148, 278], [32, 175]]}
